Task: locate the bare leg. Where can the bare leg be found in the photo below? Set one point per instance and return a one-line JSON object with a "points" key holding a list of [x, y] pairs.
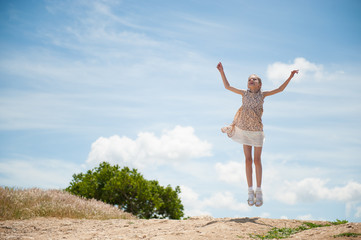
{"points": [[258, 165], [248, 154]]}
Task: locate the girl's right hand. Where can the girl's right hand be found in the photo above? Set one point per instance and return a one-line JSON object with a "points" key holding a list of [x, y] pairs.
{"points": [[220, 67]]}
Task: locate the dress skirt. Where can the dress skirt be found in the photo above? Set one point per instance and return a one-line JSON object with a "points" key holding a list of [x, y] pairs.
{"points": [[250, 138]]}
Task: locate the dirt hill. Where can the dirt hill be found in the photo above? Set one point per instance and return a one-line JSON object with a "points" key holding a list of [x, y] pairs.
{"points": [[155, 229]]}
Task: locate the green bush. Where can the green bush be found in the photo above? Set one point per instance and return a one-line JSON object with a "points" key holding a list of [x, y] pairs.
{"points": [[129, 191]]}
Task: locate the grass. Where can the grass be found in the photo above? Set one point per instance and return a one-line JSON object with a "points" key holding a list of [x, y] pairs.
{"points": [[34, 202], [347, 235], [279, 233]]}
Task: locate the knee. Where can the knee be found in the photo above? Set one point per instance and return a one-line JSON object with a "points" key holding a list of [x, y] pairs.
{"points": [[257, 162], [248, 159]]}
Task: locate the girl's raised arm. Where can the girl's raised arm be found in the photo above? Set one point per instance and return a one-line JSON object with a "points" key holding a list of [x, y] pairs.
{"points": [[226, 83], [282, 87]]}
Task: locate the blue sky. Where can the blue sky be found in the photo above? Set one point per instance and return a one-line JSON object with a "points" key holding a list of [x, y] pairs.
{"points": [[135, 83]]}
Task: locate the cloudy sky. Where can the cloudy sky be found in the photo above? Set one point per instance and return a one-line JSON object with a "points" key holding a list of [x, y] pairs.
{"points": [[135, 83]]}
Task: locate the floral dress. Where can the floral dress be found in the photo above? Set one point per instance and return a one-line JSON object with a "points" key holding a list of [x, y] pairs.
{"points": [[247, 127]]}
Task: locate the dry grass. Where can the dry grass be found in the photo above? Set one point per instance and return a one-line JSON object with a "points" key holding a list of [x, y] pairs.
{"points": [[30, 203]]}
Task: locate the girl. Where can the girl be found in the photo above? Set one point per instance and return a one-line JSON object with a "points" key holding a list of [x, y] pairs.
{"points": [[247, 127]]}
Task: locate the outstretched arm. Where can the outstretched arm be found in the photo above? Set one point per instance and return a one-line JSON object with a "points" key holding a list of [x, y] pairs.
{"points": [[282, 87], [225, 82]]}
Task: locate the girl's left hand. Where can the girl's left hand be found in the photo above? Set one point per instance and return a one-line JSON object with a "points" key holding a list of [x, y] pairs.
{"points": [[294, 72]]}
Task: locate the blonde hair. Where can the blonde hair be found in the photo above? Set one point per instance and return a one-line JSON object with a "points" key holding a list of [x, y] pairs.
{"points": [[256, 76]]}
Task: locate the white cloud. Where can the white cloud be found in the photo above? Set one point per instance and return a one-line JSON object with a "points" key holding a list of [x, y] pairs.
{"points": [[194, 206], [188, 195], [305, 217], [353, 209], [279, 72], [265, 215], [350, 192], [172, 146], [314, 189], [95, 23], [225, 200], [231, 172], [358, 212]]}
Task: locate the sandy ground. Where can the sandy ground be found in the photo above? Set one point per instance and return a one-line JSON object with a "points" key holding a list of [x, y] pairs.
{"points": [[155, 229]]}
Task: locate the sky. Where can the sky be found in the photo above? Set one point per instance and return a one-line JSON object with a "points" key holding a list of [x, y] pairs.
{"points": [[135, 83]]}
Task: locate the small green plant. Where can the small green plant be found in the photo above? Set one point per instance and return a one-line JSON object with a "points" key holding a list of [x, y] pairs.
{"points": [[279, 233], [347, 235], [339, 222]]}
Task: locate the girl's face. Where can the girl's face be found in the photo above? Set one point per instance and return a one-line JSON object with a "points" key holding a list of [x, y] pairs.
{"points": [[254, 84]]}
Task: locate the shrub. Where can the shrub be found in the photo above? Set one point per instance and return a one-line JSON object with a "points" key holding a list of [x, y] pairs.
{"points": [[129, 190]]}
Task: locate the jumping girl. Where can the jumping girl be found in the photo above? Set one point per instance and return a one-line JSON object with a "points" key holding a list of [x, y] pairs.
{"points": [[247, 127]]}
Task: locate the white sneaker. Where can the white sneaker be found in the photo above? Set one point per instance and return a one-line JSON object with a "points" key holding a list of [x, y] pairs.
{"points": [[250, 198], [259, 198]]}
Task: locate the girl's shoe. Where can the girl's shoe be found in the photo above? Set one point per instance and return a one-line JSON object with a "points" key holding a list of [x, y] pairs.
{"points": [[250, 198], [259, 198]]}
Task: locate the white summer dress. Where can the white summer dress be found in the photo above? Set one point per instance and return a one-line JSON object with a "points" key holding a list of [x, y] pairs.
{"points": [[247, 127]]}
